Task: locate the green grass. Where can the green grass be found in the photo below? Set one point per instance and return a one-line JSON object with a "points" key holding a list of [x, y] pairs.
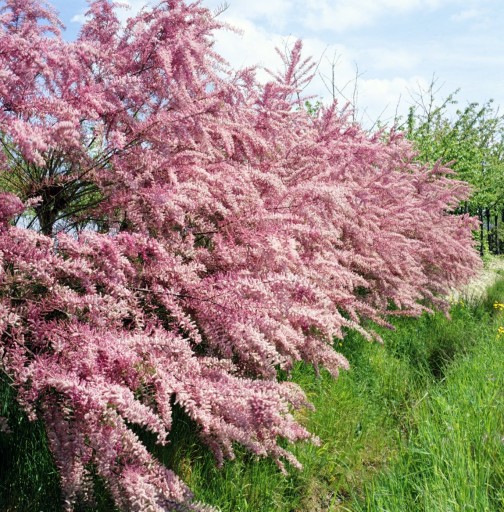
{"points": [[453, 458], [416, 425], [453, 455], [28, 478]]}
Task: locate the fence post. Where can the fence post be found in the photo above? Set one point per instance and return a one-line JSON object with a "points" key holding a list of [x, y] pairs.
{"points": [[489, 234], [480, 216], [497, 249]]}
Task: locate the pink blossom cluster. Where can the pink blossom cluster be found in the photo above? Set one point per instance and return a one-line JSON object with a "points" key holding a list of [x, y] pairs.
{"points": [[238, 235]]}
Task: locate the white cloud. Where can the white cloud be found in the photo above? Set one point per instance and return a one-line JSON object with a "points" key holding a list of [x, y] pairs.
{"points": [[374, 97], [466, 15], [392, 59], [334, 15], [134, 6], [131, 8], [252, 46], [275, 12], [476, 19], [386, 98], [341, 15], [255, 46], [79, 18], [265, 24]]}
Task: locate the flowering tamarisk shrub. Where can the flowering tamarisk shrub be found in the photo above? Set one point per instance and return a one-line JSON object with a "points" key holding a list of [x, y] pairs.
{"points": [[171, 231], [89, 354]]}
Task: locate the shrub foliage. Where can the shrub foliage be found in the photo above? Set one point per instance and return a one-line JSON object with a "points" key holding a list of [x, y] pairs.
{"points": [[174, 232]]}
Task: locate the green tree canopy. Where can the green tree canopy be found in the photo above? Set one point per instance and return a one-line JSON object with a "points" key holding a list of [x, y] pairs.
{"points": [[471, 138]]}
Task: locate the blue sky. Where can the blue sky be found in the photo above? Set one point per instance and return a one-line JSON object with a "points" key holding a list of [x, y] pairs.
{"points": [[396, 46]]}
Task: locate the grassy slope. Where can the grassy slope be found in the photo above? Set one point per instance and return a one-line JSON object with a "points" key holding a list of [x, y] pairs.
{"points": [[415, 425], [453, 458]]}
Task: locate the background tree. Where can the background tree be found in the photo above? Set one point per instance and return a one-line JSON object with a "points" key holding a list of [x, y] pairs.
{"points": [[472, 141]]}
